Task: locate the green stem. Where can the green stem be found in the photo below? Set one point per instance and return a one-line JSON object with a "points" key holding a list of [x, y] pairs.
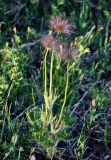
{"points": [[45, 81], [5, 107], [45, 66], [51, 67], [65, 97]]}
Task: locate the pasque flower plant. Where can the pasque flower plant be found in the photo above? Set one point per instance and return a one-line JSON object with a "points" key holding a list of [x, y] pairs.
{"points": [[58, 50], [65, 52]]}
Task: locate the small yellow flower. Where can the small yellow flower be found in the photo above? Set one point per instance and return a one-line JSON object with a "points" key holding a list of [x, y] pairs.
{"points": [[14, 30], [93, 103]]}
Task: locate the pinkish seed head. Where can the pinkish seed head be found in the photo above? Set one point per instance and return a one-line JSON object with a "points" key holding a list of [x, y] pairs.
{"points": [[49, 42], [61, 25], [68, 52]]}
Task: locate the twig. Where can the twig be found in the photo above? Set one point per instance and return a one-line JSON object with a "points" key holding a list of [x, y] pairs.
{"points": [[30, 44], [76, 105], [18, 8], [22, 113], [27, 45]]}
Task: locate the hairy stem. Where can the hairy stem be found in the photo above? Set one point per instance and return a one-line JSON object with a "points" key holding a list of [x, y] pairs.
{"points": [[51, 68], [45, 81], [65, 97]]}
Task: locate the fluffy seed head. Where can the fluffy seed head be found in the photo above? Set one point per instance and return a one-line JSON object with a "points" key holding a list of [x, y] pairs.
{"points": [[49, 42], [61, 25], [68, 52]]}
